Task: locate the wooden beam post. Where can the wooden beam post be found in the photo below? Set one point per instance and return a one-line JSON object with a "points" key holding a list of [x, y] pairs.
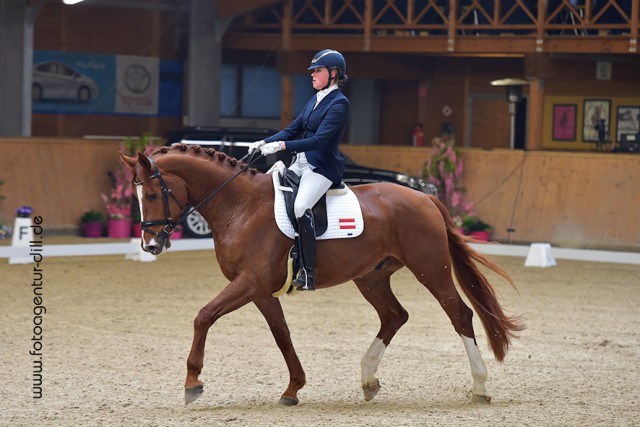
{"points": [[633, 41], [535, 113], [368, 18], [286, 89], [286, 106], [542, 7], [451, 37]]}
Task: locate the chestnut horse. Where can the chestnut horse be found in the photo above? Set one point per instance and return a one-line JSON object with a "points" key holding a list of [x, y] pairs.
{"points": [[403, 228]]}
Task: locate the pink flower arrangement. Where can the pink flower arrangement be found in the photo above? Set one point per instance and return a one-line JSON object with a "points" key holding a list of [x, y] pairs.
{"points": [[118, 202], [444, 169]]}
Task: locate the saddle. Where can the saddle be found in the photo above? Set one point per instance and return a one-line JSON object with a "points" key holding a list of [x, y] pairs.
{"points": [[337, 215], [290, 180]]}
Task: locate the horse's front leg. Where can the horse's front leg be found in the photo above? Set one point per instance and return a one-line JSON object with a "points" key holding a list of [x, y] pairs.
{"points": [[272, 311], [237, 294]]}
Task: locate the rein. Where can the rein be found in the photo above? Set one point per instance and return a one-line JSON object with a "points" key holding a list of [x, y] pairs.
{"points": [[169, 224]]}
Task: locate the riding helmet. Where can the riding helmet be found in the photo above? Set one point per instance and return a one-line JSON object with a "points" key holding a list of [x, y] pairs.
{"points": [[330, 59]]}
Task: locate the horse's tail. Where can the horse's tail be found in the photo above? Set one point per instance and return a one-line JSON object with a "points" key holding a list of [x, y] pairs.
{"points": [[499, 327]]}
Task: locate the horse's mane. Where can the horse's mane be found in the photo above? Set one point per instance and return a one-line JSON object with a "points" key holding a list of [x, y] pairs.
{"points": [[199, 151]]}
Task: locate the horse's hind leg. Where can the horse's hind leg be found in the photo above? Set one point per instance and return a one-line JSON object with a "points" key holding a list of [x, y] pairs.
{"points": [[272, 311], [376, 289], [440, 284]]}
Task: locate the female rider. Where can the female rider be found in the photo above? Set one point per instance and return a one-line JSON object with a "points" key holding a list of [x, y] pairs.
{"points": [[315, 136]]}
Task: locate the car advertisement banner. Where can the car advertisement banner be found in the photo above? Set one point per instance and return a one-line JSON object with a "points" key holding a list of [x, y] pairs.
{"points": [[84, 83]]}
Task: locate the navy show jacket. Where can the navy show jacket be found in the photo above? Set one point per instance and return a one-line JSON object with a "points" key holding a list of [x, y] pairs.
{"points": [[319, 131]]}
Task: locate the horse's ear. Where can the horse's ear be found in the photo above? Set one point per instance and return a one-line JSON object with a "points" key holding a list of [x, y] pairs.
{"points": [[129, 161], [144, 161]]}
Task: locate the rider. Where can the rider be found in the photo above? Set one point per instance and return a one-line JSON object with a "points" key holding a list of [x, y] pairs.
{"points": [[315, 136]]}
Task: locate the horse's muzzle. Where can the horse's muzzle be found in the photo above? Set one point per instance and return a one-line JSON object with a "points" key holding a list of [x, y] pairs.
{"points": [[156, 247]]}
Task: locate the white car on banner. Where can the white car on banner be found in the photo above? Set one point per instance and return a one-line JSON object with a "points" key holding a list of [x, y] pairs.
{"points": [[57, 80]]}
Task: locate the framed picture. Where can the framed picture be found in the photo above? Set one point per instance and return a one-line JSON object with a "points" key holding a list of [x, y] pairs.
{"points": [[596, 114], [564, 122], [627, 121]]}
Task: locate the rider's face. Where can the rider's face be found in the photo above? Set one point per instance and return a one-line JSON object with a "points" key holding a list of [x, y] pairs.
{"points": [[319, 77]]}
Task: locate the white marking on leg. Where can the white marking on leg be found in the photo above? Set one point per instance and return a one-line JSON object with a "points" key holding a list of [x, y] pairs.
{"points": [[478, 370], [371, 360]]}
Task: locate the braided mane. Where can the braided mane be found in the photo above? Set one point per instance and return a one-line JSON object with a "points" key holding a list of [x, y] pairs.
{"points": [[211, 153]]}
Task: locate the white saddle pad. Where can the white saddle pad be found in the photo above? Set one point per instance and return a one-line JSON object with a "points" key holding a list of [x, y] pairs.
{"points": [[344, 216]]}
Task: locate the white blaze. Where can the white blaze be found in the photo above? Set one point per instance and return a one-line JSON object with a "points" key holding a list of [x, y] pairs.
{"points": [[139, 193]]}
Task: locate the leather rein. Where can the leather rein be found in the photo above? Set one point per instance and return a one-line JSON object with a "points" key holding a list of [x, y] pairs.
{"points": [[169, 225]]}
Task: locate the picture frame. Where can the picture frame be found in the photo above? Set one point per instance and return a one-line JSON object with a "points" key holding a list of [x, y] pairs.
{"points": [[627, 120], [564, 122], [594, 111]]}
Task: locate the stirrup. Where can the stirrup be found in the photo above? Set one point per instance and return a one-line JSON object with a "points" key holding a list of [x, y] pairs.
{"points": [[304, 282]]}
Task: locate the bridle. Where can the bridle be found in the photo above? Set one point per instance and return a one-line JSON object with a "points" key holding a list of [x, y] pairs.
{"points": [[167, 222], [169, 225]]}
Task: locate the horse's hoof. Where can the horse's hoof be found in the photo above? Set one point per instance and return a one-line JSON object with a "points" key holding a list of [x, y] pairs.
{"points": [[192, 394], [370, 390], [485, 400], [288, 401]]}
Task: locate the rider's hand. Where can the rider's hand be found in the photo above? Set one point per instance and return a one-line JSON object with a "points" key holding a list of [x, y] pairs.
{"points": [[272, 147], [256, 146]]}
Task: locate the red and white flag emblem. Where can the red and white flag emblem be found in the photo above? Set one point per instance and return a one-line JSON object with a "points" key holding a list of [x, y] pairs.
{"points": [[347, 223]]}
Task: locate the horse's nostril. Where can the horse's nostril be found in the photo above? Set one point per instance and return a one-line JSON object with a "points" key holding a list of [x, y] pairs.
{"points": [[152, 248]]}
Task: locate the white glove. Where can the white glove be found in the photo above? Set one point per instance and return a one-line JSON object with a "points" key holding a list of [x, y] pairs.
{"points": [[256, 146], [271, 147]]}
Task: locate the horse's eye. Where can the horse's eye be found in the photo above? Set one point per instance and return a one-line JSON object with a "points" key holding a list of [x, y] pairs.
{"points": [[152, 196]]}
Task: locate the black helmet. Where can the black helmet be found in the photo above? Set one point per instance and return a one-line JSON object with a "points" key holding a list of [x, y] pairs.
{"points": [[330, 59]]}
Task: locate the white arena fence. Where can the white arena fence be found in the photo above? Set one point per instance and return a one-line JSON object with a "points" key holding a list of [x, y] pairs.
{"points": [[132, 250]]}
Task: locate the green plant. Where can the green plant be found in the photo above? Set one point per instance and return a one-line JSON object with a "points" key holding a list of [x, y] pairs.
{"points": [[473, 223], [91, 216], [145, 143]]}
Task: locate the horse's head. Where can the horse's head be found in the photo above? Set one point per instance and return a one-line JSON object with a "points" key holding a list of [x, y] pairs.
{"points": [[162, 197]]}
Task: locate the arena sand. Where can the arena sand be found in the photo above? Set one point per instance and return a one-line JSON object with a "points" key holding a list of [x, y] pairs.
{"points": [[116, 335]]}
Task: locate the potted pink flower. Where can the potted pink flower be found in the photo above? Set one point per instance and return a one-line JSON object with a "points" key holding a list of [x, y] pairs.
{"points": [[118, 204]]}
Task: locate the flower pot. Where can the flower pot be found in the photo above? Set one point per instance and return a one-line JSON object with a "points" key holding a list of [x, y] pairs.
{"points": [[119, 228], [177, 234], [137, 230], [92, 229], [481, 236]]}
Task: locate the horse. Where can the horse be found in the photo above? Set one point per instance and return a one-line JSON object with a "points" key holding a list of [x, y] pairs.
{"points": [[403, 228]]}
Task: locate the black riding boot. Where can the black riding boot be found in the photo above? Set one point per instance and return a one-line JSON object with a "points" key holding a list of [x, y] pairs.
{"points": [[306, 280]]}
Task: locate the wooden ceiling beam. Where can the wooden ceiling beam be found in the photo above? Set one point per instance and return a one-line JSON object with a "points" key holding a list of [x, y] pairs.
{"points": [[231, 8], [507, 46]]}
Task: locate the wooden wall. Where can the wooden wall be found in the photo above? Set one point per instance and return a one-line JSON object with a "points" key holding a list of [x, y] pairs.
{"points": [[584, 200], [59, 178]]}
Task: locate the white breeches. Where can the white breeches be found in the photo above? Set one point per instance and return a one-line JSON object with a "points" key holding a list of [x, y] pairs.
{"points": [[312, 185]]}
